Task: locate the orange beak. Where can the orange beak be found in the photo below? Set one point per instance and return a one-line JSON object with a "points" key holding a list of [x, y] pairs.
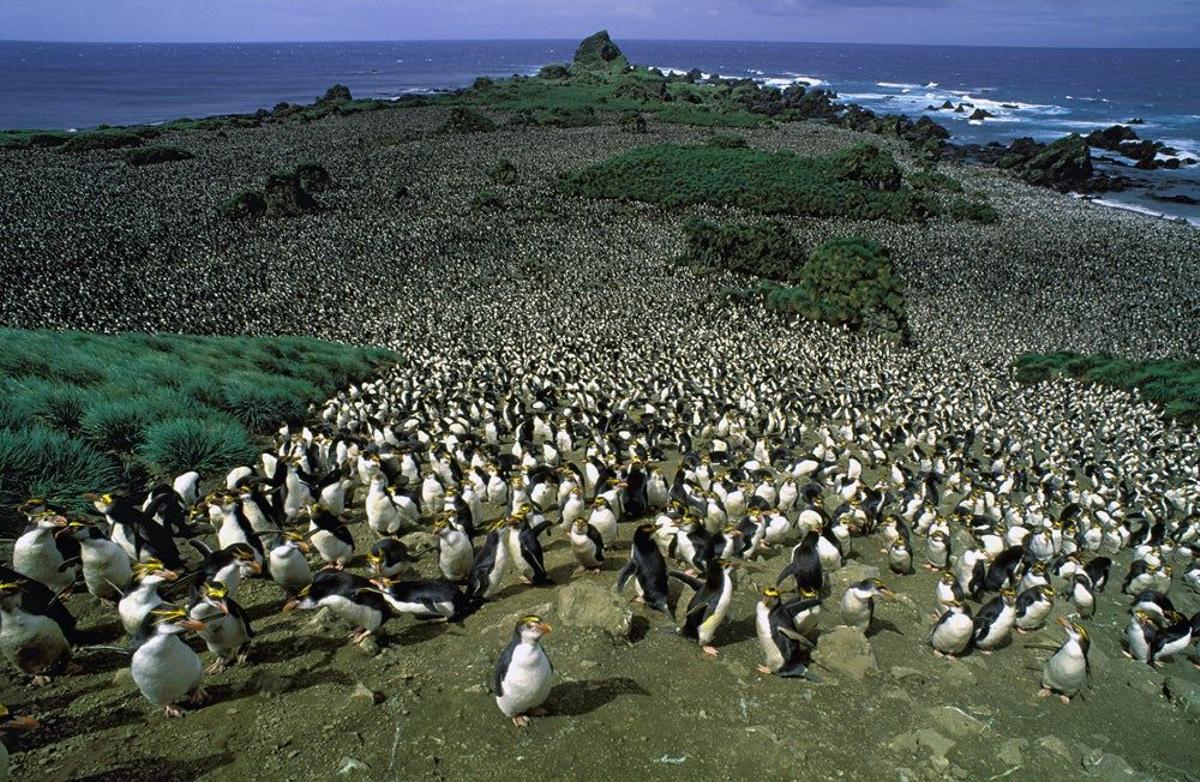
{"points": [[544, 628], [192, 624], [289, 606]]}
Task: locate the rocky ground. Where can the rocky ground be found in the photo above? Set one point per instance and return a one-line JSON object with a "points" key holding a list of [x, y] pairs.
{"points": [[399, 257]]}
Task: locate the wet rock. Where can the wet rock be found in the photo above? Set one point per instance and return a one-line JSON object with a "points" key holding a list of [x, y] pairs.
{"points": [[846, 650], [955, 721], [935, 742], [1056, 745], [587, 604], [848, 574], [903, 674], [352, 766]]}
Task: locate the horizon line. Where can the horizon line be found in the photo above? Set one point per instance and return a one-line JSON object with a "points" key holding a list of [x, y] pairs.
{"points": [[560, 40]]}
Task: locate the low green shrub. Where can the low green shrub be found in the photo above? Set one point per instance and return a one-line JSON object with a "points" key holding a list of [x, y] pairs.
{"points": [[40, 462], [243, 205], [464, 120], [152, 156], [503, 173], [763, 250], [487, 200], [205, 445]]}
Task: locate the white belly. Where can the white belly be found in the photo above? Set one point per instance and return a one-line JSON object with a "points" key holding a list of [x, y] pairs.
{"points": [[1066, 671], [527, 681], [35, 555], [762, 626], [353, 613], [32, 642], [165, 670]]}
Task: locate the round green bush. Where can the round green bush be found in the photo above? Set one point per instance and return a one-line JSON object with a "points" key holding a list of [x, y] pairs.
{"points": [[40, 462], [115, 424], [206, 445]]}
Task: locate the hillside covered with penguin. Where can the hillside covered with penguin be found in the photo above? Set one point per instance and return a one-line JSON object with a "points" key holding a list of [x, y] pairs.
{"points": [[491, 436]]}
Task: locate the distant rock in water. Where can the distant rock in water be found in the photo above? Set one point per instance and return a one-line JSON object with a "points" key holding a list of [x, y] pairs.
{"points": [[980, 114], [597, 52], [338, 93], [1111, 137], [1064, 165]]}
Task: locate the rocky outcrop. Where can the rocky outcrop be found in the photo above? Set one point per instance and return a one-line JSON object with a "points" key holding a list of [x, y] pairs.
{"points": [[1064, 165], [847, 651], [980, 114], [597, 52], [588, 605]]}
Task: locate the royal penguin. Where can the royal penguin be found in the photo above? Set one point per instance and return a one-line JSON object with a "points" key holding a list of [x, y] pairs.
{"points": [[133, 531], [489, 566], [423, 599], [954, 631], [227, 630], [389, 558], [525, 548], [604, 520], [947, 591], [648, 570], [330, 537], [455, 552], [709, 607], [1033, 608], [107, 570], [587, 546], [1140, 634], [144, 598], [46, 553], [1068, 669], [12, 723], [523, 675], [993, 623], [805, 564], [288, 564], [164, 668], [858, 602], [785, 649], [30, 637], [351, 598]]}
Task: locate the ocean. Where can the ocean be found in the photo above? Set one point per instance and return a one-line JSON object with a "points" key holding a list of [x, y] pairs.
{"points": [[1043, 93]]}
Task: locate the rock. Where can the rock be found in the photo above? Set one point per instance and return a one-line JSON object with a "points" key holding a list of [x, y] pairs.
{"points": [[959, 675], [323, 618], [597, 52], [366, 693], [418, 542], [955, 721], [1182, 693], [369, 646], [980, 114], [1064, 165], [554, 71], [122, 676], [1111, 137], [338, 93], [848, 574], [1011, 751], [1056, 745], [900, 673], [350, 765], [933, 741], [587, 604], [1106, 766], [846, 650], [286, 197], [947, 105]]}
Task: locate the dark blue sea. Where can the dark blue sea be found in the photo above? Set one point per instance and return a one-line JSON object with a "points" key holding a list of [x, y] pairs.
{"points": [[1044, 93]]}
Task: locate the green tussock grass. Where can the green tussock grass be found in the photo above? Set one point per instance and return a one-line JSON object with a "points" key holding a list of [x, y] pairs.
{"points": [[860, 182], [86, 412], [1172, 384]]}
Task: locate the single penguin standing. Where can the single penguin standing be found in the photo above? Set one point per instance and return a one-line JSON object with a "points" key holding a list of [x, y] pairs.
{"points": [[858, 603], [709, 606], [227, 631], [805, 565], [330, 537], [523, 675], [587, 546], [785, 649], [487, 570], [350, 597], [1068, 669], [953, 632], [648, 568], [31, 640], [993, 623], [164, 668]]}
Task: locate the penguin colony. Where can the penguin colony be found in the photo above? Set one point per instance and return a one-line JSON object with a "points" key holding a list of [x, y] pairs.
{"points": [[564, 386]]}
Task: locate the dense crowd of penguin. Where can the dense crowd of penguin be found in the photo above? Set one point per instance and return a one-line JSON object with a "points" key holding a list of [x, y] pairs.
{"points": [[562, 384], [498, 457]]}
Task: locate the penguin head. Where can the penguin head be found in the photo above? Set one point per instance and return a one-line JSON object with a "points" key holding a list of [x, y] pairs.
{"points": [[1046, 591], [10, 591], [947, 577], [1075, 631], [215, 594], [531, 628], [172, 620], [246, 559], [296, 540], [102, 502], [153, 572], [874, 586], [303, 601], [770, 596], [1008, 595]]}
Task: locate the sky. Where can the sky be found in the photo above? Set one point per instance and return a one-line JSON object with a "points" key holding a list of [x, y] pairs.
{"points": [[1098, 23]]}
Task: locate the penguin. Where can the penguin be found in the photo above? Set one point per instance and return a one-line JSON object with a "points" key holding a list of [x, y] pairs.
{"points": [[900, 558], [954, 631], [648, 569], [709, 606], [288, 564], [388, 557], [144, 598], [1068, 669], [785, 649], [350, 597], [164, 668], [993, 623], [44, 553], [527, 553], [107, 571], [31, 639], [937, 550], [587, 546], [1139, 636], [1003, 571], [330, 537], [805, 564], [858, 602], [1171, 639], [523, 675], [488, 567], [947, 592], [1082, 597], [455, 552], [426, 600], [227, 630], [384, 516], [604, 520], [228, 565], [129, 528], [1033, 607]]}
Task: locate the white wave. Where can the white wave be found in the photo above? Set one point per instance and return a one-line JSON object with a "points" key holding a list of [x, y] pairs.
{"points": [[895, 85], [1142, 210], [931, 85], [811, 81]]}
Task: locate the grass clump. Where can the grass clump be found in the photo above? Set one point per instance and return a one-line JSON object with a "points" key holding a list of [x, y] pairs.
{"points": [[763, 250], [464, 120], [153, 156], [84, 412], [1172, 384], [862, 182], [243, 205], [487, 201], [503, 173], [108, 138]]}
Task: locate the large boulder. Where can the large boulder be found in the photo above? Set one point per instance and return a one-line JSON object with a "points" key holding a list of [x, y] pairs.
{"points": [[597, 52], [1111, 137], [847, 651], [286, 197], [589, 605], [1063, 165]]}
